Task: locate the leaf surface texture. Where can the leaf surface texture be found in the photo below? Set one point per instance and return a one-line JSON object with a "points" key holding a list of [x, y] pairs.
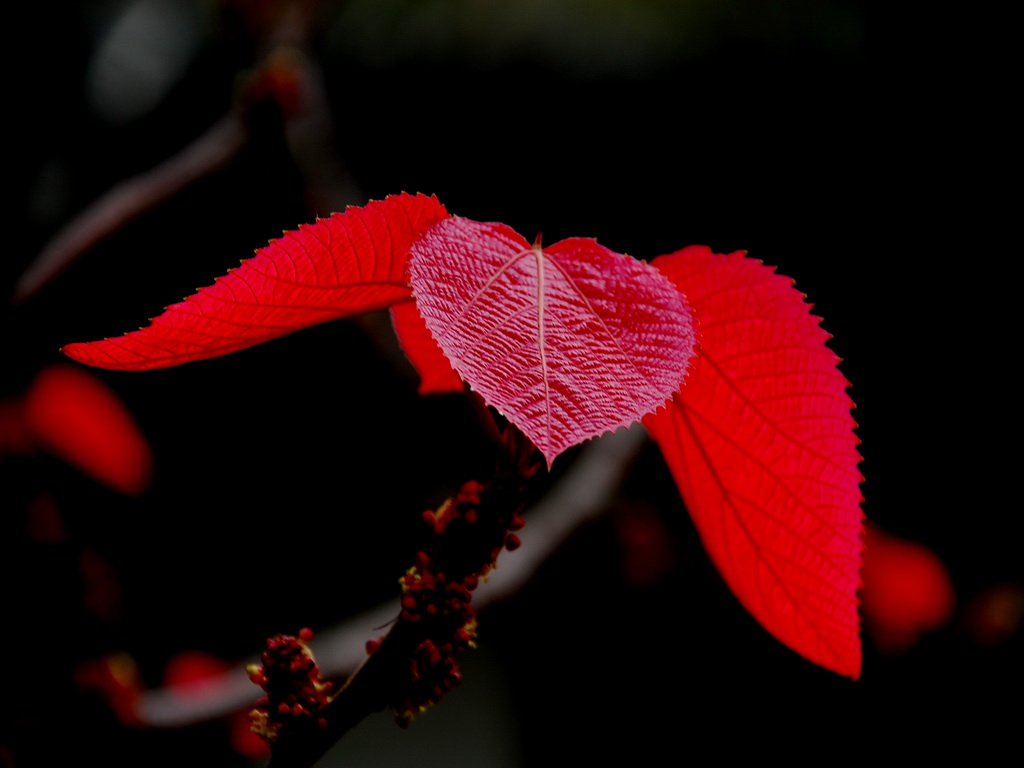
{"points": [[343, 265], [567, 342], [760, 441]]}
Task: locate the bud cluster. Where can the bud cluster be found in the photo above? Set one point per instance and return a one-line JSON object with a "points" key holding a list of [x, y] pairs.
{"points": [[471, 514], [450, 622], [289, 676], [470, 531], [414, 665]]}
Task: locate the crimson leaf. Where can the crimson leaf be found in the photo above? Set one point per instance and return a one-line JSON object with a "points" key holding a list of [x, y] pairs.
{"points": [[75, 416], [567, 342], [436, 374], [760, 441], [907, 591], [349, 263]]}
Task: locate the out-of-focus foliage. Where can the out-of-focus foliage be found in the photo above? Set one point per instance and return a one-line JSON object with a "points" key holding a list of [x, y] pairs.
{"points": [[588, 37]]}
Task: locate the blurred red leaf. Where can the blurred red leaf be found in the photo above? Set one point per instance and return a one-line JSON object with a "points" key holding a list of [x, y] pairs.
{"points": [[115, 677], [45, 522], [14, 437], [567, 342], [349, 263], [907, 590], [192, 673], [760, 442], [76, 417]]}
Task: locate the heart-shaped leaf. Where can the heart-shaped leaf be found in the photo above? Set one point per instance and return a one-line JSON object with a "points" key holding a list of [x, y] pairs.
{"points": [[568, 341], [349, 263], [761, 444]]}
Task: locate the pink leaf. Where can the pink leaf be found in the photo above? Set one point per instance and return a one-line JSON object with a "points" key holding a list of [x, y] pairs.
{"points": [[567, 342], [760, 441], [436, 374], [349, 263]]}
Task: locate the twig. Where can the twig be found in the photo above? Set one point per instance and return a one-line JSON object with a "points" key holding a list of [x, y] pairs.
{"points": [[308, 128], [130, 199], [581, 495]]}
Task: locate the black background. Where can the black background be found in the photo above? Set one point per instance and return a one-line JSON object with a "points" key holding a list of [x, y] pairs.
{"points": [[864, 152]]}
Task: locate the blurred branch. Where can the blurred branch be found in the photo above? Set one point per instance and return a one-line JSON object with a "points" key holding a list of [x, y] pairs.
{"points": [[580, 496], [129, 200], [286, 75]]}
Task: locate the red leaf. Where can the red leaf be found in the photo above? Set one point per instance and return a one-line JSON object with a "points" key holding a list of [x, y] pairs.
{"points": [[907, 591], [568, 342], [349, 263], [78, 418], [115, 678], [436, 374], [760, 441], [192, 674]]}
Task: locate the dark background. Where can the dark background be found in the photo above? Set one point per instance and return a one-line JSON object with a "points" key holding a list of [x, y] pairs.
{"points": [[862, 151]]}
